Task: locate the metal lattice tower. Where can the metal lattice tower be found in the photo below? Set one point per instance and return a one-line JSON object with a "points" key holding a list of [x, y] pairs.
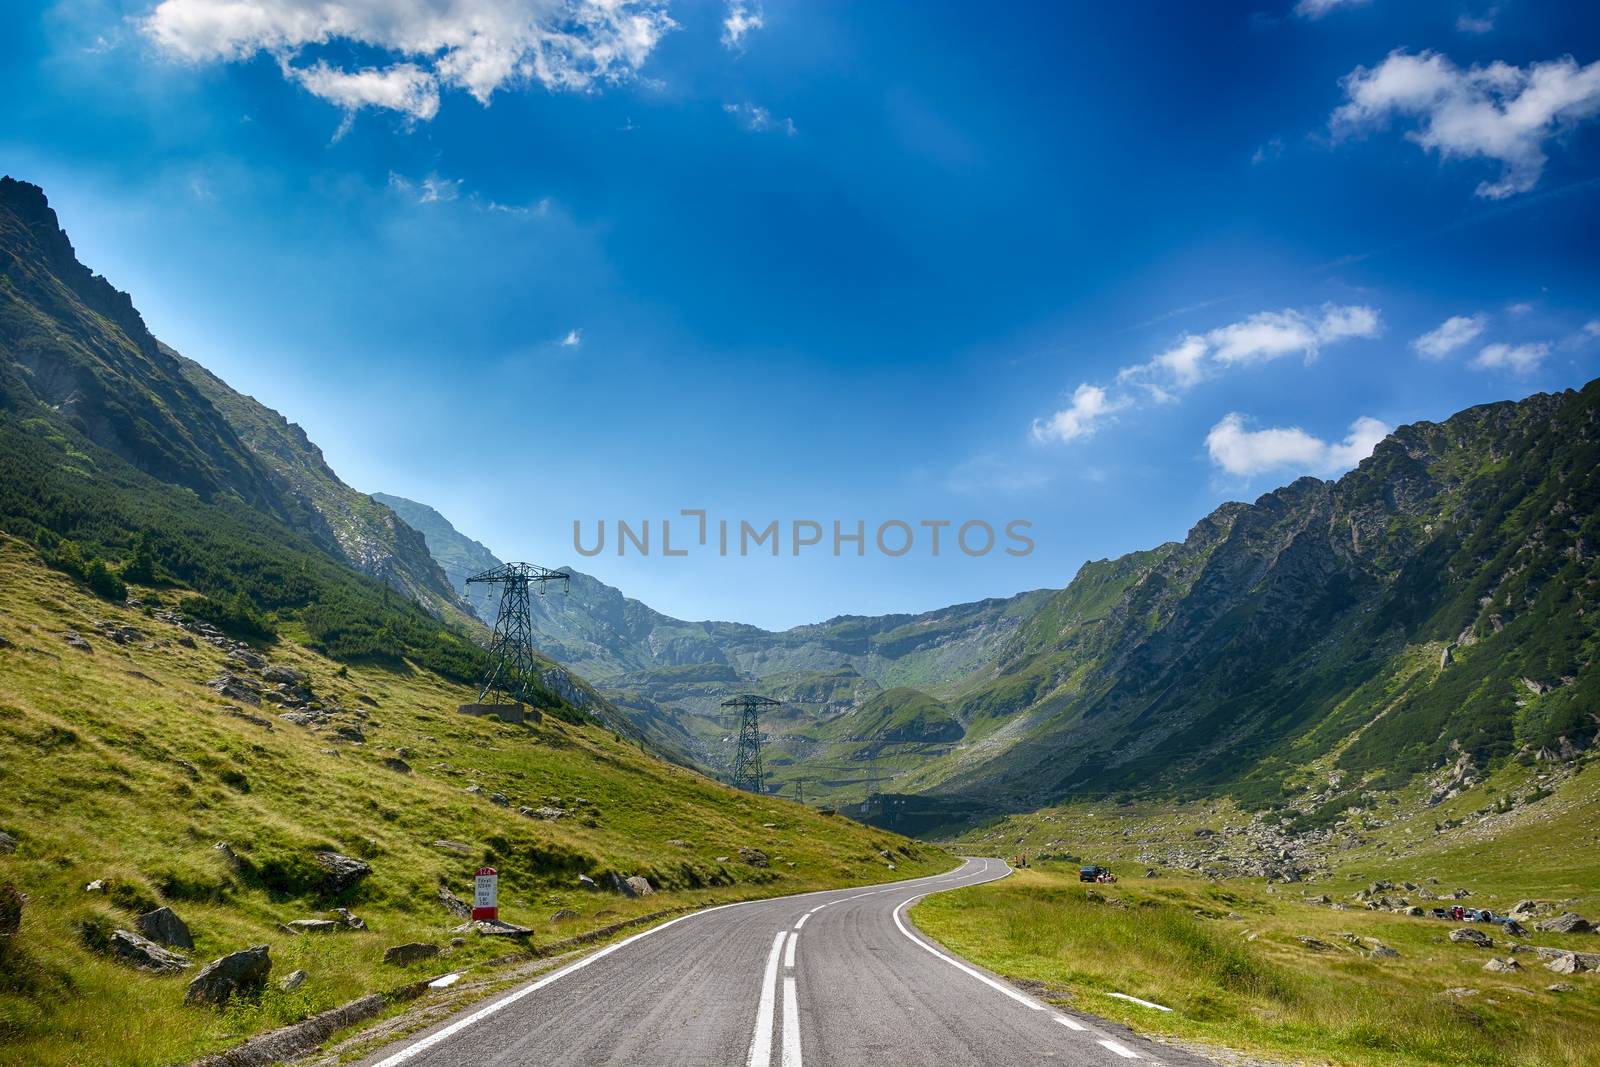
{"points": [[747, 759], [512, 669]]}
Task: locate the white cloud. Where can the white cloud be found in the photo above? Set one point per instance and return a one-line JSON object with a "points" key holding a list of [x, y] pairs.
{"points": [[1270, 335], [1090, 406], [481, 46], [1518, 359], [1455, 332], [1315, 9], [430, 190], [1259, 338], [1499, 112], [1247, 452], [1272, 149], [742, 18], [758, 119], [573, 339], [1477, 24], [1592, 327]]}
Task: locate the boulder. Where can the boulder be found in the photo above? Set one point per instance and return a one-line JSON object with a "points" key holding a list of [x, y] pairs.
{"points": [[313, 926], [1468, 936], [546, 812], [395, 763], [236, 687], [1568, 923], [585, 882], [350, 919], [641, 886], [238, 973], [281, 675], [1314, 944], [454, 904], [754, 857], [164, 926], [621, 885], [563, 914], [350, 733], [1382, 951], [75, 640], [344, 872], [8, 844], [1589, 961], [144, 954], [1560, 987], [401, 955], [1503, 966], [501, 799], [1566, 963], [292, 981]]}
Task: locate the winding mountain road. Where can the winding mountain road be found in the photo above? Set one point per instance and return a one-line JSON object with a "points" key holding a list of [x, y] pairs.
{"points": [[832, 979]]}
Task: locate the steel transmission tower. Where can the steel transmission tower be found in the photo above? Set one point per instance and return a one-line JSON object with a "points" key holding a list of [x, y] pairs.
{"points": [[513, 672], [747, 759]]}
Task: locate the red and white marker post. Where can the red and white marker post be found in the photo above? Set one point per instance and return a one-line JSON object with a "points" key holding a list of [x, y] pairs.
{"points": [[485, 895]]}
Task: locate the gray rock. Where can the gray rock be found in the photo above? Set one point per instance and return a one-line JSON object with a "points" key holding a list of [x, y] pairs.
{"points": [[1566, 963], [401, 955], [8, 844], [145, 954], [500, 799], [281, 675], [1468, 936], [350, 733], [545, 812], [313, 926], [292, 981], [236, 687], [76, 640], [395, 763], [1560, 987], [225, 850], [164, 926], [621, 885], [1314, 944], [11, 902], [585, 882], [238, 973], [350, 919], [454, 904], [563, 915], [754, 857], [344, 872], [641, 886], [1503, 966], [96, 886], [1568, 923]]}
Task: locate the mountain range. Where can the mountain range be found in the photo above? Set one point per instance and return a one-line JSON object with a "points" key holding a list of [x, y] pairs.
{"points": [[1435, 604]]}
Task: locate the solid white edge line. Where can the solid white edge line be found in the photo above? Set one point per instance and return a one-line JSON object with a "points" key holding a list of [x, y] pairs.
{"points": [[1120, 1049], [424, 1044], [1025, 1001], [1070, 1024], [1141, 1003], [761, 1040], [788, 953], [791, 1020]]}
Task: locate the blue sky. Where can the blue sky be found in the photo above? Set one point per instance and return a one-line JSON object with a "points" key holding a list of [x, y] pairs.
{"points": [[1099, 267]]}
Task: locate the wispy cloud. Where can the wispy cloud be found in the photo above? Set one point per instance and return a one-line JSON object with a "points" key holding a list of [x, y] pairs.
{"points": [[758, 119], [1315, 9], [742, 18], [429, 190], [1518, 359], [1245, 452], [480, 46], [1457, 331], [1477, 24], [1500, 112], [573, 339], [1194, 358]]}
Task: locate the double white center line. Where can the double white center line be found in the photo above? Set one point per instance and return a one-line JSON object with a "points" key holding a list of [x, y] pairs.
{"points": [[761, 1040]]}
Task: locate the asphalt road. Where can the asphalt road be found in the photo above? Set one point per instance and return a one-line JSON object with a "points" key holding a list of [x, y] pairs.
{"points": [[833, 979]]}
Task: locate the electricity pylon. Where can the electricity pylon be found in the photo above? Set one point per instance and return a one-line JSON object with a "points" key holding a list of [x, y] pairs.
{"points": [[513, 672], [747, 758]]}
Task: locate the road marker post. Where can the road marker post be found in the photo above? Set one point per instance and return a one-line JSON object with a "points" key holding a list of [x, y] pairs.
{"points": [[485, 895]]}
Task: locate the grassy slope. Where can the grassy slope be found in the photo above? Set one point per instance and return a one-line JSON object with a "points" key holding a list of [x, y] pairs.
{"points": [[118, 766], [1248, 983]]}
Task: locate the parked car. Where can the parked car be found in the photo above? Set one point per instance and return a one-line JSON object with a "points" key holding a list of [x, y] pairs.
{"points": [[1096, 874]]}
